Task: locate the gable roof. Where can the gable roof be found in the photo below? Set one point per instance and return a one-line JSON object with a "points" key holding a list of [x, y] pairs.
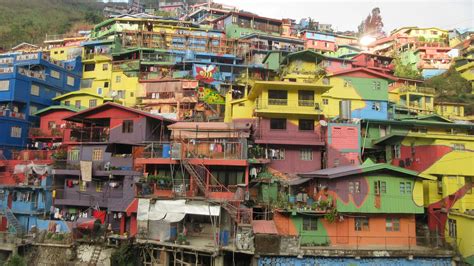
{"points": [[363, 69], [75, 93], [77, 116], [313, 54], [367, 167], [57, 107]]}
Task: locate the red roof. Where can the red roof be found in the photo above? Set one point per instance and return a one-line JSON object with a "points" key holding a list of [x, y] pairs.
{"points": [[363, 69], [116, 105], [264, 227]]}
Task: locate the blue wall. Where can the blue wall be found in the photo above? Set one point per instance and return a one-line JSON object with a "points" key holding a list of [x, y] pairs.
{"points": [[273, 261]]}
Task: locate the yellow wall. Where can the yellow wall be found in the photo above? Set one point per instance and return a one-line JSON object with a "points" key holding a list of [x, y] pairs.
{"points": [[84, 100], [449, 111], [465, 235], [337, 93], [128, 84], [62, 53]]}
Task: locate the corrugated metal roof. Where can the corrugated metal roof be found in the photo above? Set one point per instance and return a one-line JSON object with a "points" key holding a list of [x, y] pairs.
{"points": [[264, 227]]}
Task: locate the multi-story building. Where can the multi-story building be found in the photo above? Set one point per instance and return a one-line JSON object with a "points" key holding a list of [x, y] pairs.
{"points": [[319, 41], [29, 82], [239, 24]]}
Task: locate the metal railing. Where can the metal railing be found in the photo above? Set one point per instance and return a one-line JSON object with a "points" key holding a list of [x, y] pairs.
{"points": [[27, 155], [10, 113], [89, 134], [309, 106], [32, 74], [197, 149]]}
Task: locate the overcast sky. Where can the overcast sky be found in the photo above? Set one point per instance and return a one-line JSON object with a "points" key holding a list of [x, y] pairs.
{"points": [[347, 15]]}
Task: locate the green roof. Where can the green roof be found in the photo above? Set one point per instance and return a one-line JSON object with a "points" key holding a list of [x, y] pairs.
{"points": [[59, 107]]}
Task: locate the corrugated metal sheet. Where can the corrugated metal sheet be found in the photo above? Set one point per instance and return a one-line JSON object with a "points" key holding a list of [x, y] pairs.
{"points": [[264, 227]]}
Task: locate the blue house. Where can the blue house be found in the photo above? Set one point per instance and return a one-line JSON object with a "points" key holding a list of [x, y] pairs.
{"points": [[22, 206], [28, 82]]}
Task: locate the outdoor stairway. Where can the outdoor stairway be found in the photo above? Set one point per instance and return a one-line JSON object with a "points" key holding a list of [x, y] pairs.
{"points": [[237, 213], [13, 222], [95, 255]]}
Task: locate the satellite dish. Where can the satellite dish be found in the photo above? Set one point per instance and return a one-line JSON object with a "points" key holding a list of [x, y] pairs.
{"points": [[323, 123]]}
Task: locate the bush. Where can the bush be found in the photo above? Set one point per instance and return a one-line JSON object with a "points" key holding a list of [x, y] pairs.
{"points": [[126, 255], [15, 260]]}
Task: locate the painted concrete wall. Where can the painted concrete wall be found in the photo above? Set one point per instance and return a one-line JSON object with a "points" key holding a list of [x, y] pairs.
{"points": [[264, 261]]}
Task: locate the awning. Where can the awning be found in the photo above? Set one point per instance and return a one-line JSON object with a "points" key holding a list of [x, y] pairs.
{"points": [[298, 181], [264, 227], [173, 210]]}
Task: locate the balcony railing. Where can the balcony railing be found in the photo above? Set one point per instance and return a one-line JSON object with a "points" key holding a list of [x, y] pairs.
{"points": [[89, 134], [6, 70], [76, 165], [426, 90], [32, 74], [28, 155], [284, 105], [9, 113], [277, 101], [50, 133]]}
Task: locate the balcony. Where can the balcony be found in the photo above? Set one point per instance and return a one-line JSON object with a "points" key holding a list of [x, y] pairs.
{"points": [[36, 155], [41, 75], [425, 90], [285, 106], [126, 65], [53, 133], [6, 70], [88, 134], [9, 113], [158, 58]]}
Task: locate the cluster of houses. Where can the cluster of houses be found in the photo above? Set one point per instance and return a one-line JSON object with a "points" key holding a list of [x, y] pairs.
{"points": [[227, 134]]}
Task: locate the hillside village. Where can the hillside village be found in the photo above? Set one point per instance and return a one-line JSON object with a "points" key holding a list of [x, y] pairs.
{"points": [[195, 133]]}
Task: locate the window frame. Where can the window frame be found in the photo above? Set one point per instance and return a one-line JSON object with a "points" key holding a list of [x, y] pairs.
{"points": [[36, 91], [392, 224], [306, 154], [97, 155], [309, 121], [310, 224], [362, 224], [273, 122], [127, 126]]}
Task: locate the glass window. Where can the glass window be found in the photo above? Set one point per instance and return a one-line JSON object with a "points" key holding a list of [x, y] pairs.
{"points": [[118, 79], [306, 154], [89, 67], [376, 106], [348, 83], [278, 123], [402, 187], [73, 154], [33, 109], [468, 182], [86, 83], [105, 67], [67, 103], [305, 98], [127, 126], [376, 85], [306, 124], [106, 84], [78, 104], [99, 91], [51, 124], [351, 187], [357, 187], [93, 103], [276, 154], [82, 185], [99, 186], [452, 228], [4, 85], [70, 80], [35, 90], [380, 187], [459, 147], [397, 151], [310, 224], [392, 224], [97, 154], [15, 132], [55, 74], [361, 224], [325, 101], [277, 97]]}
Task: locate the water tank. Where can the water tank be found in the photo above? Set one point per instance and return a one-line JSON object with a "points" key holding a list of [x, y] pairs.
{"points": [[345, 109]]}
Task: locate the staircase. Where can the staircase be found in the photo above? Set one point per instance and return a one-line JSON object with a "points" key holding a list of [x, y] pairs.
{"points": [[238, 214], [95, 255], [13, 222]]}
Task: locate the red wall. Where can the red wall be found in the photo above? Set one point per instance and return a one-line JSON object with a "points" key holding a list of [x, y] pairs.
{"points": [[57, 116]]}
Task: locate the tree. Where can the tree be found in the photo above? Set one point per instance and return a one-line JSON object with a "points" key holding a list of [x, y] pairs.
{"points": [[372, 25], [405, 71]]}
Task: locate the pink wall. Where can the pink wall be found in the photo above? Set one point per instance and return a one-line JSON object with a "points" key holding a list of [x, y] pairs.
{"points": [[55, 116], [293, 164], [320, 45]]}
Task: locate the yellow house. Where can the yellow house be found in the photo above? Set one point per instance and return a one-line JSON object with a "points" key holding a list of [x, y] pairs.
{"points": [[64, 48], [428, 34], [450, 110], [458, 232], [81, 99]]}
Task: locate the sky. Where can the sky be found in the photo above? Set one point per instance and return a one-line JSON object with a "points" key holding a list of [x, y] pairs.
{"points": [[347, 15]]}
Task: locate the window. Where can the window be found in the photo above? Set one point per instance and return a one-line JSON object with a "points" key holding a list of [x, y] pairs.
{"points": [[392, 224], [468, 181], [325, 101], [118, 79], [306, 124], [405, 187], [439, 185], [33, 109], [396, 151], [106, 84], [121, 94], [354, 187], [15, 132], [326, 81], [99, 91], [86, 83], [78, 104], [51, 124], [4, 85], [459, 147], [55, 74], [276, 154], [305, 98], [452, 228], [277, 97], [99, 186], [70, 81], [380, 187], [132, 94], [97, 154], [82, 185], [67, 103], [105, 67], [306, 154], [336, 162], [310, 224], [361, 224], [35, 90], [127, 126], [376, 85], [93, 103], [278, 123], [73, 154], [347, 83], [89, 67]]}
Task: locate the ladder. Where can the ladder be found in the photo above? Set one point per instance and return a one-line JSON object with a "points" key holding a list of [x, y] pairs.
{"points": [[95, 255], [13, 223]]}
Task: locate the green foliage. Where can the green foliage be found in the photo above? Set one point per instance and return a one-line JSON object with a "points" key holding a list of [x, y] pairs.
{"points": [[126, 255], [15, 260], [405, 71], [30, 21], [331, 216], [452, 87]]}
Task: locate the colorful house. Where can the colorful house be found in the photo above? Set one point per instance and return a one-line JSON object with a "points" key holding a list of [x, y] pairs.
{"points": [[450, 110], [29, 82], [237, 24], [319, 41], [365, 206]]}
